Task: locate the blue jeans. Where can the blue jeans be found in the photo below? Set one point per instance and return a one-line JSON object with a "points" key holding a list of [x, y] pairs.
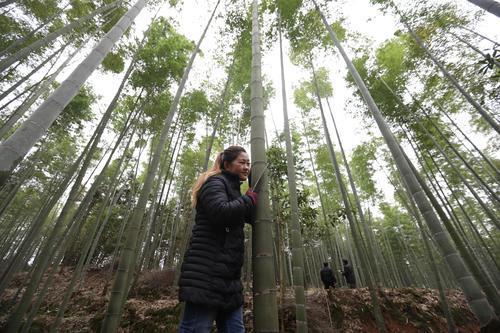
{"points": [[199, 319]]}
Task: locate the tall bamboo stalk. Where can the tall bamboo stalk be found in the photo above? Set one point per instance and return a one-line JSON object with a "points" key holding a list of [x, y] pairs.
{"points": [[264, 285], [489, 119], [41, 89], [54, 56], [358, 242], [24, 138], [4, 64], [477, 300], [127, 263], [492, 193], [296, 236], [491, 6]]}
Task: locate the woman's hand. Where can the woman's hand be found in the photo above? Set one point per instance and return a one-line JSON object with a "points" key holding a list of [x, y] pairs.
{"points": [[252, 195]]}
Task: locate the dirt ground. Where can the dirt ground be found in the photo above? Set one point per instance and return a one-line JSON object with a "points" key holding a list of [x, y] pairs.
{"points": [[153, 307]]}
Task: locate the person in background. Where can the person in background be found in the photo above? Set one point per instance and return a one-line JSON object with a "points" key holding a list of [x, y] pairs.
{"points": [[348, 273], [210, 280], [327, 276]]}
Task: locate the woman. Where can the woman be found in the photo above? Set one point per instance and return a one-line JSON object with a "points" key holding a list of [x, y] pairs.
{"points": [[210, 274]]}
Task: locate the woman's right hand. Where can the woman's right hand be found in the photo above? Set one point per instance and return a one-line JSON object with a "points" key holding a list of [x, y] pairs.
{"points": [[252, 195]]}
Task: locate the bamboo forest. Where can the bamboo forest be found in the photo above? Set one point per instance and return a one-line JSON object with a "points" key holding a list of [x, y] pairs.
{"points": [[372, 128]]}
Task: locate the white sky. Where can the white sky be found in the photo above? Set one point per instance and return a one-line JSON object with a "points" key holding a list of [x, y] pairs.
{"points": [[361, 17]]}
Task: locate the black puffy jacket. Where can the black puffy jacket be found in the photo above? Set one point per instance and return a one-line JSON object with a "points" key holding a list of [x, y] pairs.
{"points": [[211, 270], [327, 276], [349, 274]]}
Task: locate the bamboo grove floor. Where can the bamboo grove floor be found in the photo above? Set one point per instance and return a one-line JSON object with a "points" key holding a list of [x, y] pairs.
{"points": [[152, 307]]}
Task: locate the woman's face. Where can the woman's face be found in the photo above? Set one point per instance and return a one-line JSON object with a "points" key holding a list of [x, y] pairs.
{"points": [[240, 166]]}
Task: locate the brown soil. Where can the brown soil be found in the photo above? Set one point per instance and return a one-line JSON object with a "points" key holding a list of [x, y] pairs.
{"points": [[153, 307]]}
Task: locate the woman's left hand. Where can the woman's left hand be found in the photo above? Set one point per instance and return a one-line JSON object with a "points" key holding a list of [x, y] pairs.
{"points": [[253, 195]]}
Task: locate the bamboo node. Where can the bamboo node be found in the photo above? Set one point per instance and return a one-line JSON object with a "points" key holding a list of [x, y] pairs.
{"points": [[264, 292]]}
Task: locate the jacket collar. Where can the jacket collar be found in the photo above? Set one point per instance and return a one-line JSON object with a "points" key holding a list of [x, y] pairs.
{"points": [[231, 177]]}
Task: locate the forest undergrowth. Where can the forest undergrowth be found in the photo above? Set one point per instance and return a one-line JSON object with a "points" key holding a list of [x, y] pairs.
{"points": [[153, 307]]}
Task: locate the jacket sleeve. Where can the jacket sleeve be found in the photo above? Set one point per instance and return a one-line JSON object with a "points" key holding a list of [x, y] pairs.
{"points": [[251, 213], [222, 211]]}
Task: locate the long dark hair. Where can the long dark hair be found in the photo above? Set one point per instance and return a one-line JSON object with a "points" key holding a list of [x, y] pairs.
{"points": [[228, 155]]}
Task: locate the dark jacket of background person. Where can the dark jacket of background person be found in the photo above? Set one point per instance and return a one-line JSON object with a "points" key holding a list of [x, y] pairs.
{"points": [[211, 270], [327, 277], [348, 273]]}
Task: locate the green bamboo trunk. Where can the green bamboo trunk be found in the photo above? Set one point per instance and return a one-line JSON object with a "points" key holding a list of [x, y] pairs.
{"points": [[358, 242], [127, 259], [264, 284], [14, 148], [4, 64], [296, 236]]}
